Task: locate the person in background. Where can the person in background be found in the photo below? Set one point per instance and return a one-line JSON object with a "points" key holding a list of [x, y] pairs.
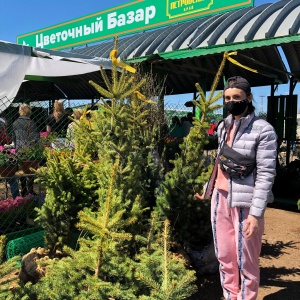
{"points": [[183, 121], [4, 137], [25, 134], [190, 117], [238, 202], [212, 128], [176, 128], [187, 123], [70, 138], [58, 121], [69, 111], [6, 142]]}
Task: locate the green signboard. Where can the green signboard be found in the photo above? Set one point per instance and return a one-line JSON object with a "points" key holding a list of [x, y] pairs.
{"points": [[131, 17]]}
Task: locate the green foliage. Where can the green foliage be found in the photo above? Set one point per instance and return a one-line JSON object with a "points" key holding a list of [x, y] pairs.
{"points": [[7, 277], [102, 267], [154, 273], [2, 247], [106, 188], [35, 151], [7, 158], [66, 279], [122, 129], [107, 225], [71, 186], [175, 199], [123, 86], [163, 275]]}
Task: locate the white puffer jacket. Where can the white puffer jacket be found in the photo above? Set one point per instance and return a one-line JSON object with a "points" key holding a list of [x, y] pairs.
{"points": [[256, 138]]}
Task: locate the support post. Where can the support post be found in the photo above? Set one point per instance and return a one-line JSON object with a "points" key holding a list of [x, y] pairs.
{"points": [[161, 116]]}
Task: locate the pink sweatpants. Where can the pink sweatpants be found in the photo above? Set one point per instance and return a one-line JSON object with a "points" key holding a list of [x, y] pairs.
{"points": [[238, 257]]}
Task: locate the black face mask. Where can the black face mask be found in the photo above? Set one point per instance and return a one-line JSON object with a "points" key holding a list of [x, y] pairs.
{"points": [[237, 108]]}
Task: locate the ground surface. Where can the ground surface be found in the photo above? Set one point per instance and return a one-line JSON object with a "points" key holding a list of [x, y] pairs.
{"points": [[279, 261]]}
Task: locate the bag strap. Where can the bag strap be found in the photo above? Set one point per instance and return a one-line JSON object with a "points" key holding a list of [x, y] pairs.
{"points": [[225, 134], [211, 182]]}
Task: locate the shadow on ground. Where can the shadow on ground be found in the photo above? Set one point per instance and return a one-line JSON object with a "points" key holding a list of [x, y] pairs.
{"points": [[270, 251], [271, 276], [289, 290], [209, 288]]}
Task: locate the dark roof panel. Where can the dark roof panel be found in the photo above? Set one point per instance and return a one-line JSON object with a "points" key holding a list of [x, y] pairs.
{"points": [[282, 16], [242, 22], [204, 32]]}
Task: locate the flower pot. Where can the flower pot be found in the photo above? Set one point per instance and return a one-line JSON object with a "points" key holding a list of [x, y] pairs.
{"points": [[26, 165], [8, 170]]}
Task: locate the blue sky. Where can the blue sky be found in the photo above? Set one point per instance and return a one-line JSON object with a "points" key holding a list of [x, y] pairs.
{"points": [[23, 16]]}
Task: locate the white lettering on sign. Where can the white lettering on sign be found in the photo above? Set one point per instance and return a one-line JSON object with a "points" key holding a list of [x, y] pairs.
{"points": [[87, 30], [113, 20], [64, 35], [130, 17], [140, 15], [78, 31], [124, 19], [93, 27], [52, 38], [98, 25], [150, 13], [46, 40], [71, 32], [58, 35], [39, 43]]}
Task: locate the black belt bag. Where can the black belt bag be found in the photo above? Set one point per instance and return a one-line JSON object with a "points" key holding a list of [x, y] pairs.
{"points": [[235, 164]]}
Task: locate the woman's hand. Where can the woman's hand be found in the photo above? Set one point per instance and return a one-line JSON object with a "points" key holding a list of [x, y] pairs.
{"points": [[251, 226], [199, 197]]}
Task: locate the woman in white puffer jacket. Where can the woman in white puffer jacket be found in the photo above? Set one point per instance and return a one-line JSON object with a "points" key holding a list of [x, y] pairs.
{"points": [[239, 200]]}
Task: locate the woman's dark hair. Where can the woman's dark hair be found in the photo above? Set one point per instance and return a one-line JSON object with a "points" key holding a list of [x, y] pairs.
{"points": [[175, 120], [251, 108]]}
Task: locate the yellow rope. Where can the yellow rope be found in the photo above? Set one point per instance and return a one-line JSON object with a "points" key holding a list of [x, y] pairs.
{"points": [[113, 56], [227, 55], [143, 98]]}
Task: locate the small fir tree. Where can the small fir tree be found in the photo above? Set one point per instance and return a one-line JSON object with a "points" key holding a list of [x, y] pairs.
{"points": [[101, 267], [162, 274], [175, 199], [121, 129], [8, 277], [70, 187]]}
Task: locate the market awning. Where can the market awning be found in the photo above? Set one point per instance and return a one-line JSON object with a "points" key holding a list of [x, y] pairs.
{"points": [[192, 51], [38, 74]]}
